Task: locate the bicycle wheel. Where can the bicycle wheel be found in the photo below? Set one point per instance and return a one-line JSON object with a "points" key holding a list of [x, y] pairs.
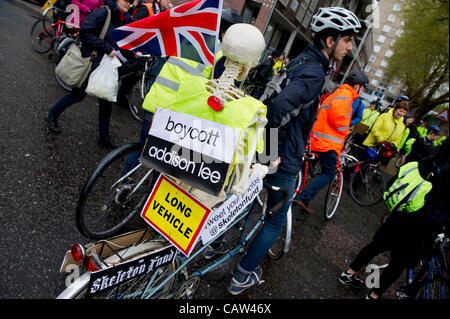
{"points": [[133, 288], [283, 241], [115, 191], [367, 185], [135, 100], [60, 48], [41, 38], [334, 194], [436, 287]]}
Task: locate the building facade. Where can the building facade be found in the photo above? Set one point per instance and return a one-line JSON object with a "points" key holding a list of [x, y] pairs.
{"points": [[387, 28], [285, 26]]}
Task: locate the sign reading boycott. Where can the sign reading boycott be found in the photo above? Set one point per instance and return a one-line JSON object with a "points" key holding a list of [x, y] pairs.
{"points": [[175, 214], [223, 216], [196, 151]]}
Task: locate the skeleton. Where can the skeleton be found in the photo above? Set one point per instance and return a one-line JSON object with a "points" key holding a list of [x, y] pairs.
{"points": [[242, 45]]}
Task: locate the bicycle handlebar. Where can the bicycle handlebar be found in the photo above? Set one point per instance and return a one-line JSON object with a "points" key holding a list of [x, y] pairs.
{"points": [[284, 196]]}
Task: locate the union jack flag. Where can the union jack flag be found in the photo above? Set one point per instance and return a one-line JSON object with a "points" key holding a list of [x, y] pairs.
{"points": [[189, 31]]}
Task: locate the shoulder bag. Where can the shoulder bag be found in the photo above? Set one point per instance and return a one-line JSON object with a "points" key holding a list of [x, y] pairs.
{"points": [[73, 69]]}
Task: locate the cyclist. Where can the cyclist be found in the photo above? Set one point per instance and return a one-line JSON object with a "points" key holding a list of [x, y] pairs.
{"points": [[389, 127], [89, 36], [334, 29], [371, 114], [265, 72], [410, 230], [330, 131], [423, 147]]}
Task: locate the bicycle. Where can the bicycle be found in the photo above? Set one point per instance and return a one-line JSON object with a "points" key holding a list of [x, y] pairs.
{"points": [[178, 276], [310, 169], [46, 30], [55, 34], [367, 182], [429, 282], [136, 96]]}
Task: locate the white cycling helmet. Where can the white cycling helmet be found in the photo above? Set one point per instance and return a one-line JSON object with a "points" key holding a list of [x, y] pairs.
{"points": [[336, 18]]}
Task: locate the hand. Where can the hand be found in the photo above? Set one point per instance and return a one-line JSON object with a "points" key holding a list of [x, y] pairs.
{"points": [[138, 55], [113, 53]]}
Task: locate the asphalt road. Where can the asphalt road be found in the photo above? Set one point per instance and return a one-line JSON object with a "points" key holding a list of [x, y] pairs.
{"points": [[42, 174]]}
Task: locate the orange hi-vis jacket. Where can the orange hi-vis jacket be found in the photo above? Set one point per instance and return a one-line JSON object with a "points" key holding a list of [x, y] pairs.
{"points": [[333, 120]]}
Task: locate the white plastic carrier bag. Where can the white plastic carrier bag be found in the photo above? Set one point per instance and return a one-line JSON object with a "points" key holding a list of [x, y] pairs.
{"points": [[104, 80]]}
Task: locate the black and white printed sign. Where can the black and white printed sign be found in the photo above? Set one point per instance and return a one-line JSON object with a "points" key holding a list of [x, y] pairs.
{"points": [[194, 150], [114, 276]]}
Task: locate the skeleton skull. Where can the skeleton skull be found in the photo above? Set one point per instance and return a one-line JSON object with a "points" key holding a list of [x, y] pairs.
{"points": [[243, 43]]}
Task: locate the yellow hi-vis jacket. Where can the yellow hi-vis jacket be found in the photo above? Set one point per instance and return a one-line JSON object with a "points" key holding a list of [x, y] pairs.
{"points": [[180, 86], [407, 193]]}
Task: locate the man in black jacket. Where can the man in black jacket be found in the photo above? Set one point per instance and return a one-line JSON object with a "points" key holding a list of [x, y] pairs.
{"points": [[264, 73], [292, 112]]}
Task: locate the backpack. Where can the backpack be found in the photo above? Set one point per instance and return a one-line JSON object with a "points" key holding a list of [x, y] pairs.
{"points": [[290, 68]]}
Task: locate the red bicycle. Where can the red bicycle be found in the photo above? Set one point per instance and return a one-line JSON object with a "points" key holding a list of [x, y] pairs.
{"points": [[50, 29]]}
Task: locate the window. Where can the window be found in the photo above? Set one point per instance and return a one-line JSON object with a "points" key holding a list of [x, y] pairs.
{"points": [[392, 42], [399, 32], [367, 68], [379, 73], [376, 48], [372, 58], [384, 63], [305, 11], [396, 7], [391, 89], [389, 53], [386, 28], [391, 18], [381, 38], [284, 2], [374, 82], [294, 5]]}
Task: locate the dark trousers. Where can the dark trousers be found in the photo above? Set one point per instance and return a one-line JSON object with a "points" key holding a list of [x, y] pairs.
{"points": [[77, 95], [328, 162], [407, 236]]}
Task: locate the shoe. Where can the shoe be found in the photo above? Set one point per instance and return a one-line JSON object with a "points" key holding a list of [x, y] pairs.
{"points": [[211, 252], [52, 124], [306, 208], [108, 142], [237, 287], [351, 280], [402, 293]]}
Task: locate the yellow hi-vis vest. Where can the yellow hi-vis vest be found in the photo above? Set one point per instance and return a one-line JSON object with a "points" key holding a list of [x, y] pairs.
{"points": [[180, 86], [407, 193]]}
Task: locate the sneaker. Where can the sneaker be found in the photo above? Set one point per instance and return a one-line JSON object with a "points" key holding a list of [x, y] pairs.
{"points": [[52, 124], [306, 208], [351, 280], [402, 293], [211, 252], [108, 142], [237, 287]]}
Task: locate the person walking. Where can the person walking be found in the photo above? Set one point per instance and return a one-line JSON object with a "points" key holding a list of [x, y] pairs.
{"points": [[89, 37], [330, 131], [334, 29]]}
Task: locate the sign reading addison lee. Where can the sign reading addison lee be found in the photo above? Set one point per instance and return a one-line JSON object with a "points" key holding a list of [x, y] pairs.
{"points": [[194, 150]]}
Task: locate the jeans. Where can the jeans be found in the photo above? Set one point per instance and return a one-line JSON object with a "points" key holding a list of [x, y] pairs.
{"points": [[328, 162], [272, 224], [77, 95]]}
